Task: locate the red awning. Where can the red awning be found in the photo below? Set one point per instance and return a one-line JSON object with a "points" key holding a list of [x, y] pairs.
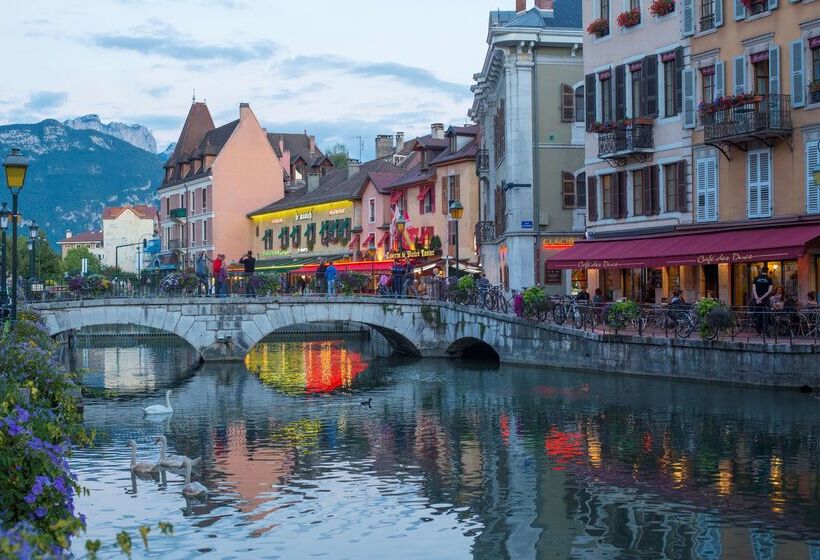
{"points": [[423, 190], [354, 242], [395, 196], [733, 246], [369, 240], [383, 240], [359, 266]]}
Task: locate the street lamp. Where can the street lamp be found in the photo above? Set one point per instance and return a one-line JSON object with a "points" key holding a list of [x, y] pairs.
{"points": [[15, 167], [456, 212], [32, 236], [400, 225], [372, 250], [4, 224]]}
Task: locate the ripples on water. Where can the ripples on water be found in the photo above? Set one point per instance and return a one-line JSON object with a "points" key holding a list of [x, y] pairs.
{"points": [[450, 461]]}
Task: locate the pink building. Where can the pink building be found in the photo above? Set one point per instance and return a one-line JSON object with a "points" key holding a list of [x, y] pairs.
{"points": [[214, 178]]}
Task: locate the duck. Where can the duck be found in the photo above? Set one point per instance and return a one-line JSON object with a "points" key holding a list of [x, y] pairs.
{"points": [[160, 409], [172, 461], [193, 490], [368, 403], [143, 468]]}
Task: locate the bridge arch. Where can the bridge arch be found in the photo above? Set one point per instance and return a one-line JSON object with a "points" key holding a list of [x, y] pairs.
{"points": [[473, 348]]}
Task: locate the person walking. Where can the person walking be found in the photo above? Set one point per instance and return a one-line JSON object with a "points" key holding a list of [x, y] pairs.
{"points": [[222, 278], [761, 294], [321, 285], [201, 269], [216, 269], [249, 263], [330, 278]]}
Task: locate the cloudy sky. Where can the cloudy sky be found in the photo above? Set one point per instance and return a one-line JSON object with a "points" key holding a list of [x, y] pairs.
{"points": [[338, 68]]}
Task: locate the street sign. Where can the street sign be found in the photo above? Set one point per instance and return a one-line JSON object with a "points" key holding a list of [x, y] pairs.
{"points": [[526, 224], [84, 266]]}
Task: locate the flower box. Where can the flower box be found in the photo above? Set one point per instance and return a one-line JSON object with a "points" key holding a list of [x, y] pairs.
{"points": [[660, 8], [598, 27], [600, 127], [630, 18], [751, 3], [728, 102], [814, 86]]}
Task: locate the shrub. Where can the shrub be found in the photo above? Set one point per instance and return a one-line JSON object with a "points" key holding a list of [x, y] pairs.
{"points": [[266, 284], [621, 313], [91, 285], [352, 282], [179, 283], [535, 302], [466, 283], [712, 316]]}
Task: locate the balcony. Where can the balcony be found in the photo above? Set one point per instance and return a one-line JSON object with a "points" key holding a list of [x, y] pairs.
{"points": [[626, 139], [175, 244], [482, 161], [814, 96], [179, 213], [762, 118], [485, 232]]}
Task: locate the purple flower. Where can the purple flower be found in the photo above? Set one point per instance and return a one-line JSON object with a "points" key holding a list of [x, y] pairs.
{"points": [[22, 414], [12, 427], [40, 512], [30, 498]]}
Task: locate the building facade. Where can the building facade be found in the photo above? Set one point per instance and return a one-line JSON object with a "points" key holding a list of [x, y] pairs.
{"points": [[124, 230], [525, 103], [92, 240]]}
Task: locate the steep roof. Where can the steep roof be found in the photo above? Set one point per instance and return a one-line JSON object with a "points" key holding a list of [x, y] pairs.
{"points": [[566, 14], [336, 185], [297, 144], [84, 237], [214, 140], [468, 151], [197, 124], [144, 212]]}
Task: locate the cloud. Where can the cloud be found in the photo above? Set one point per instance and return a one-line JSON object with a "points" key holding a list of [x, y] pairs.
{"points": [[161, 91], [45, 100], [160, 39], [408, 75]]}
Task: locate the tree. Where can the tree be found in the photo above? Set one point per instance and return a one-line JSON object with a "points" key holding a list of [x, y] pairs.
{"points": [[73, 261], [339, 155], [48, 265]]}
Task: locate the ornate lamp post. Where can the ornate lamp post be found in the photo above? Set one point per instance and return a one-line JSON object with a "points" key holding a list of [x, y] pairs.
{"points": [[456, 212], [15, 167], [32, 236], [400, 225], [4, 224]]}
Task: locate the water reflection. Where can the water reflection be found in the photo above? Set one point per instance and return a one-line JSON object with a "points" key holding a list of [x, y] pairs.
{"points": [[458, 462]]}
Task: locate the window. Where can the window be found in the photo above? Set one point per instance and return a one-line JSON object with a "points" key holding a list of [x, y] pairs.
{"points": [[567, 103], [581, 191], [706, 185], [634, 4], [427, 204], [167, 236], [371, 210], [707, 75], [604, 13], [451, 232], [759, 184], [670, 86], [637, 192], [192, 202], [761, 73], [606, 98], [568, 189], [707, 15], [815, 62], [759, 6], [606, 195], [454, 189], [193, 233], [637, 101], [182, 200], [498, 132], [204, 199], [674, 186], [580, 107], [168, 206], [204, 231]]}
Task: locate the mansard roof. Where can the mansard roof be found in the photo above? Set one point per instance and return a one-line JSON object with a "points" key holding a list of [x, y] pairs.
{"points": [[566, 14], [197, 124]]}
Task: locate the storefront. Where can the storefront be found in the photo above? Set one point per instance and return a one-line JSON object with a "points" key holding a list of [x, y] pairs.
{"points": [[720, 264], [556, 281]]}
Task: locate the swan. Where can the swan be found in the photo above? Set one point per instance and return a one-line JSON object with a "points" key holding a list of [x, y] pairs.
{"points": [[160, 409], [193, 490], [145, 469], [172, 461]]}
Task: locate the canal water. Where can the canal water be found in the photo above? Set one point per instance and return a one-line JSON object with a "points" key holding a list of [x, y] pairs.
{"points": [[319, 449]]}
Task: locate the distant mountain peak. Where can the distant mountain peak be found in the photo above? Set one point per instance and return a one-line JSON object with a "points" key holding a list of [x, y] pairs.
{"points": [[135, 134], [166, 153]]}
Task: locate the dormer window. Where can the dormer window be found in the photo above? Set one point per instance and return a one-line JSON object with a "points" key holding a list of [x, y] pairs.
{"points": [[453, 143]]}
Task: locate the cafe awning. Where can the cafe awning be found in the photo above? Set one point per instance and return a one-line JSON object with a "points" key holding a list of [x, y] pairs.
{"points": [[719, 247], [423, 190], [358, 266], [370, 239], [287, 263], [384, 239]]}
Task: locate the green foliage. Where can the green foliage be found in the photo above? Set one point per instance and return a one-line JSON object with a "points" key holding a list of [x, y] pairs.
{"points": [[435, 243], [339, 155], [352, 282], [48, 264], [267, 284], [466, 283], [705, 305], [535, 301], [713, 317], [621, 313], [72, 263]]}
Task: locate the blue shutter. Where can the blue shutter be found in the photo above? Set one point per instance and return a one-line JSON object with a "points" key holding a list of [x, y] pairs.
{"points": [[718, 13], [739, 73], [720, 80], [689, 120], [772, 4], [774, 70], [798, 85], [740, 10], [688, 17]]}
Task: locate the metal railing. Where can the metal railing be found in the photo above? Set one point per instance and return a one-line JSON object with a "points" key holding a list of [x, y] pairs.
{"points": [[707, 22], [485, 232], [769, 113], [626, 139]]}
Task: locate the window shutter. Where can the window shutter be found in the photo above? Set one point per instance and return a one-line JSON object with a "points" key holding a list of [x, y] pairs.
{"points": [[700, 194], [681, 187], [753, 185], [772, 4], [568, 189], [649, 71], [567, 103], [774, 70], [812, 188], [711, 189], [444, 205], [580, 191], [457, 189], [688, 18], [654, 191], [432, 195], [718, 14], [620, 195], [678, 80], [689, 119], [765, 184], [646, 193], [592, 199], [421, 203], [798, 89], [620, 92], [589, 102], [720, 85], [739, 73], [740, 10]]}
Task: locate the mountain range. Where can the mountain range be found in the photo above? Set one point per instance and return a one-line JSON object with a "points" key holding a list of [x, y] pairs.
{"points": [[78, 167]]}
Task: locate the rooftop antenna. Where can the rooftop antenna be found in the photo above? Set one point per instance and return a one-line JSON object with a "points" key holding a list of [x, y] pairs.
{"points": [[193, 96]]}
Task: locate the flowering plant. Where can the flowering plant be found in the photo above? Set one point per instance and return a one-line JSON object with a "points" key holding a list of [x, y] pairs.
{"points": [[660, 8], [179, 283], [352, 282], [603, 127], [814, 86], [94, 284], [598, 27], [750, 3], [727, 102], [621, 313], [630, 18], [266, 284]]}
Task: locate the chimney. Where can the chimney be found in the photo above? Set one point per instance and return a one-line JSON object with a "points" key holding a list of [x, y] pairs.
{"points": [[352, 167], [312, 181], [281, 145], [244, 110], [437, 131], [520, 6], [384, 146], [68, 234], [544, 4], [312, 144], [399, 141]]}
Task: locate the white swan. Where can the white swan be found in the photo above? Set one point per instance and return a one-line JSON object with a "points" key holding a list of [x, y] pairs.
{"points": [[160, 409], [172, 461], [193, 490], [143, 468]]}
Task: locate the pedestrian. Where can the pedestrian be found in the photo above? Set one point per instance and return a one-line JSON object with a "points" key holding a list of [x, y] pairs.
{"points": [[201, 269], [583, 295], [811, 300], [759, 304], [599, 296], [250, 267], [222, 278], [330, 278], [216, 269], [321, 286], [397, 277]]}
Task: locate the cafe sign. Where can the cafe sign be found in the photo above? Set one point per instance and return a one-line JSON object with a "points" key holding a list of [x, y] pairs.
{"points": [[410, 254], [723, 258]]}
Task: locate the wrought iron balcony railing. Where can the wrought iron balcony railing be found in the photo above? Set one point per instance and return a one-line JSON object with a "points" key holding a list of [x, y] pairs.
{"points": [[482, 161], [765, 115], [175, 244], [626, 139], [485, 232]]}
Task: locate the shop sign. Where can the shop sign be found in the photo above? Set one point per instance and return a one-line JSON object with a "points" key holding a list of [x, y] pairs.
{"points": [[722, 258], [557, 242], [276, 221], [304, 216], [275, 253], [336, 211], [583, 265], [552, 276], [410, 254]]}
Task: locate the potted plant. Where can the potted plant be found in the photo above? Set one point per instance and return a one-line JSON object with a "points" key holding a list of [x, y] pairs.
{"points": [[660, 8], [435, 244], [535, 303], [644, 120], [630, 18], [600, 127], [814, 91], [621, 313], [598, 27]]}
